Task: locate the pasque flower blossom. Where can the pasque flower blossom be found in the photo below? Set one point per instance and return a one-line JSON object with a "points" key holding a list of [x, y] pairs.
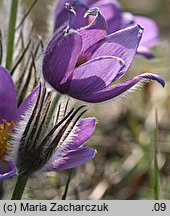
{"points": [[115, 17], [43, 145], [84, 63], [33, 143], [9, 115], [58, 147]]}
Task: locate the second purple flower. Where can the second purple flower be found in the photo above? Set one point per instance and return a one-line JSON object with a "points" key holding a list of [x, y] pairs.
{"points": [[84, 63]]}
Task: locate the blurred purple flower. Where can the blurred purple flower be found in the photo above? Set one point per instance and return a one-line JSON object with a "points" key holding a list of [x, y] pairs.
{"points": [[9, 115], [84, 63], [115, 17]]}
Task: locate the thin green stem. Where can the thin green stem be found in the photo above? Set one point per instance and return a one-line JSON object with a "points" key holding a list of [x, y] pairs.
{"points": [[1, 190], [19, 187], [27, 13], [11, 33], [67, 185], [156, 179], [156, 168], [1, 47]]}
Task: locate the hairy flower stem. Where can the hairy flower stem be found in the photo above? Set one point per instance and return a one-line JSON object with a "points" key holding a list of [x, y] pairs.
{"points": [[11, 33], [19, 187]]}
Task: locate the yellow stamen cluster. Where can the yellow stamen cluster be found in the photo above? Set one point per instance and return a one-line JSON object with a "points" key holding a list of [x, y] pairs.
{"points": [[5, 131]]}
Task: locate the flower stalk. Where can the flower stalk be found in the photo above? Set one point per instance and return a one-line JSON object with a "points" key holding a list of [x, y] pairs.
{"points": [[59, 147], [19, 187]]}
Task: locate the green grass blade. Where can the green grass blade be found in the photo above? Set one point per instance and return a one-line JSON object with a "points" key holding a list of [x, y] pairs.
{"points": [[11, 33], [25, 16], [67, 185], [1, 47], [156, 178], [156, 168]]}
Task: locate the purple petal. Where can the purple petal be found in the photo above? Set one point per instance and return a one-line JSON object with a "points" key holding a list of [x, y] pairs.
{"points": [[72, 159], [109, 8], [127, 20], [80, 20], [7, 169], [93, 76], [145, 52], [122, 44], [8, 101], [118, 89], [30, 99], [71, 153], [96, 31], [60, 9], [61, 14], [90, 2], [151, 32], [84, 129], [60, 58], [112, 12], [150, 35]]}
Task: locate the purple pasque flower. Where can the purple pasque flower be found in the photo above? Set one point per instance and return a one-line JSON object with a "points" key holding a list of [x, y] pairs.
{"points": [[115, 17], [84, 63], [9, 115], [55, 145], [35, 144]]}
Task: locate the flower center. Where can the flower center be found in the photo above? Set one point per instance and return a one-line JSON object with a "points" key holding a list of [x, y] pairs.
{"points": [[83, 59], [5, 131]]}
